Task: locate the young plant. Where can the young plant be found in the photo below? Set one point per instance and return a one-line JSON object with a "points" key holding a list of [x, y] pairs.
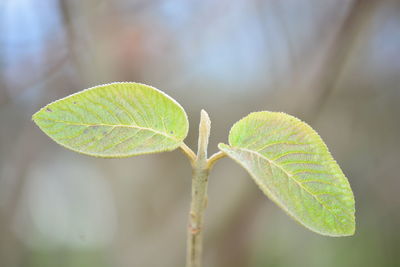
{"points": [[285, 157]]}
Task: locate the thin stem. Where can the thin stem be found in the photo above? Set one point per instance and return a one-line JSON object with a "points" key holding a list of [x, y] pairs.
{"points": [[201, 167], [196, 217], [199, 196], [214, 158], [188, 152]]}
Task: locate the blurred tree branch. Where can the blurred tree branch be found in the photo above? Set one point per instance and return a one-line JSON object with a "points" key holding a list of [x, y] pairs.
{"points": [[357, 20], [20, 159]]}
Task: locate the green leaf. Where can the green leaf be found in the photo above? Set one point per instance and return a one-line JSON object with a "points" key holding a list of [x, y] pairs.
{"points": [[292, 165], [115, 120]]}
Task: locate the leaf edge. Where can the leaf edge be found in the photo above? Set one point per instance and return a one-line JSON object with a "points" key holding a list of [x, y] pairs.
{"points": [[275, 200], [172, 148]]}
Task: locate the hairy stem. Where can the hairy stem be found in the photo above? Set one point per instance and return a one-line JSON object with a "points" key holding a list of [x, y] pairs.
{"points": [[196, 217], [201, 167], [200, 174]]}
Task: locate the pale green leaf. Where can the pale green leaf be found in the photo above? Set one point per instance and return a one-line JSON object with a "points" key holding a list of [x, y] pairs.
{"points": [[115, 120], [292, 165]]}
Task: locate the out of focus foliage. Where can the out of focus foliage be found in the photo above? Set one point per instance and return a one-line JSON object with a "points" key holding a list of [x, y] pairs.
{"points": [[334, 64]]}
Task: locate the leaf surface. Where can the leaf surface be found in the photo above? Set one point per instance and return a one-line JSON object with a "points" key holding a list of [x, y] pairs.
{"points": [[115, 120], [292, 165]]}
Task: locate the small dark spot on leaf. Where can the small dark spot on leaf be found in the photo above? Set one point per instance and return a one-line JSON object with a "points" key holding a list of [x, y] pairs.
{"points": [[48, 110], [104, 133], [171, 132], [74, 102]]}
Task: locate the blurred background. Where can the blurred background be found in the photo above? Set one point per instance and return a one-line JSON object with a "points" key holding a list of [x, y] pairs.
{"points": [[334, 63]]}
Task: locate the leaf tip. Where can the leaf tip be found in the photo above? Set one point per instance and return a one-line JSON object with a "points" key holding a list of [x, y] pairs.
{"points": [[35, 117]]}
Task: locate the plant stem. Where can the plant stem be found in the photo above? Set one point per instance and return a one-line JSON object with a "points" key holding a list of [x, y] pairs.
{"points": [[196, 217], [199, 196], [201, 167], [188, 152], [214, 158]]}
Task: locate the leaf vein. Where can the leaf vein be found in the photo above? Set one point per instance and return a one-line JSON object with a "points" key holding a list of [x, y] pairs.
{"points": [[113, 125], [290, 175]]}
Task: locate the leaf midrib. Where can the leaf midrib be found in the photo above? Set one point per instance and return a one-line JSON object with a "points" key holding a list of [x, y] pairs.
{"points": [[112, 125], [293, 178]]}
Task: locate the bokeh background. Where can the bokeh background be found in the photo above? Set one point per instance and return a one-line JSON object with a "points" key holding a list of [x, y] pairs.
{"points": [[333, 63]]}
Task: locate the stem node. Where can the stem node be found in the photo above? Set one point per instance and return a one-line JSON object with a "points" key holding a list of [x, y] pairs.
{"points": [[199, 195]]}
